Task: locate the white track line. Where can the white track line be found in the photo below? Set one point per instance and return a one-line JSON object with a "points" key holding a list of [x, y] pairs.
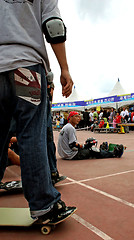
{"points": [[96, 178], [104, 193], [91, 227], [97, 190], [105, 176]]}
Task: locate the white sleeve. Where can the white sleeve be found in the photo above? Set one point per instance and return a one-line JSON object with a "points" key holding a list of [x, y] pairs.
{"points": [[71, 135], [50, 9]]}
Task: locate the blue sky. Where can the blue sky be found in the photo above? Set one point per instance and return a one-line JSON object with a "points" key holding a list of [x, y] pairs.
{"points": [[100, 46]]}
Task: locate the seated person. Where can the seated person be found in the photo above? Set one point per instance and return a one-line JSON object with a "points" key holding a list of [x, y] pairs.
{"points": [[94, 124], [101, 124], [14, 158], [118, 118], [69, 148]]}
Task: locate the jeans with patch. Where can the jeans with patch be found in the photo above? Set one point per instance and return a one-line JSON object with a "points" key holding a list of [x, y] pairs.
{"points": [[23, 95]]}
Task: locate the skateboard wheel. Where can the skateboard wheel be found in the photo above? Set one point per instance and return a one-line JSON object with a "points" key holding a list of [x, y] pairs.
{"points": [[45, 230]]}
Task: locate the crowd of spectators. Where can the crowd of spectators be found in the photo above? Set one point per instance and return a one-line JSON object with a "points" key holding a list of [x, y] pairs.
{"points": [[92, 118]]}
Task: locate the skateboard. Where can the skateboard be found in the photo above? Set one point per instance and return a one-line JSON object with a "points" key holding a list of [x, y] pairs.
{"points": [[12, 186], [16, 186], [20, 217]]}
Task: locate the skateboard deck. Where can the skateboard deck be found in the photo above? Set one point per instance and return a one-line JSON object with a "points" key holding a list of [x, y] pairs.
{"points": [[12, 186], [21, 217], [16, 186]]}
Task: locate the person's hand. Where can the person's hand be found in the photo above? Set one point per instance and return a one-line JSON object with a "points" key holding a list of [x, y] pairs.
{"points": [[66, 82], [12, 140]]}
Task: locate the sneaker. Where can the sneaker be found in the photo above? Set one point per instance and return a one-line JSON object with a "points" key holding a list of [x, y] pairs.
{"points": [[104, 146], [55, 177], [118, 150], [58, 209]]}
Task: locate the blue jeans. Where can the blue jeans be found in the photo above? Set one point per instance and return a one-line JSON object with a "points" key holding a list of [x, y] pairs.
{"points": [[23, 95], [50, 143]]}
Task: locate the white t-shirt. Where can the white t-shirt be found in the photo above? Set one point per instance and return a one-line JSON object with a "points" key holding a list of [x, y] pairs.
{"points": [[21, 37], [124, 113], [91, 116], [67, 136]]}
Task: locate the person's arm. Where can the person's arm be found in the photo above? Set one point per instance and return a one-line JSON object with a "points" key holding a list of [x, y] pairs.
{"points": [[65, 78], [75, 146], [55, 33]]}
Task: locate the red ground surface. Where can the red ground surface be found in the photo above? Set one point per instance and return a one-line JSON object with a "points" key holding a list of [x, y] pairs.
{"points": [[102, 190]]}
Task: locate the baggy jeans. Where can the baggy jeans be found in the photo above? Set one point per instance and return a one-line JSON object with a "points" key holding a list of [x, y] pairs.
{"points": [[50, 142], [23, 95]]}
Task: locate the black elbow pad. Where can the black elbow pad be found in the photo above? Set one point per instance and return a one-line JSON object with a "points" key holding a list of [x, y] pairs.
{"points": [[54, 30]]}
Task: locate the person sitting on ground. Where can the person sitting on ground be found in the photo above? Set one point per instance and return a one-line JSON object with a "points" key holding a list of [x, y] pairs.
{"points": [[70, 149], [14, 158]]}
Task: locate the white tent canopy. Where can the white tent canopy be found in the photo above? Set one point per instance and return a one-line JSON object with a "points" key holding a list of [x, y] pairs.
{"points": [[116, 99], [69, 102], [117, 90]]}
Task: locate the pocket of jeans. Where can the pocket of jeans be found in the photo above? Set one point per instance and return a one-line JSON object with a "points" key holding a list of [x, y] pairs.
{"points": [[28, 85]]}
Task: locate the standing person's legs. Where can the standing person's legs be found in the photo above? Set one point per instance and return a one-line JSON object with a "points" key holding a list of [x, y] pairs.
{"points": [[51, 148], [31, 119], [7, 103], [50, 143]]}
